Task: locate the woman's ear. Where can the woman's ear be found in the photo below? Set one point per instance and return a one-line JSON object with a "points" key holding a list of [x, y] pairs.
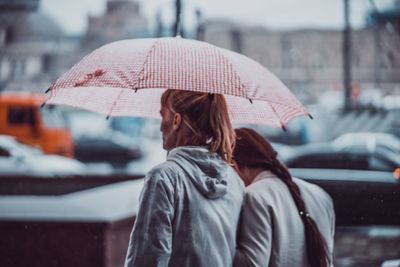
{"points": [[177, 121]]}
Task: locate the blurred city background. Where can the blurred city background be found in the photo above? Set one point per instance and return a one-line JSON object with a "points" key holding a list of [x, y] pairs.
{"points": [[341, 58]]}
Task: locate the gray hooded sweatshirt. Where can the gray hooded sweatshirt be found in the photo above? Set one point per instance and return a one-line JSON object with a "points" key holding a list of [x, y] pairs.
{"points": [[188, 214]]}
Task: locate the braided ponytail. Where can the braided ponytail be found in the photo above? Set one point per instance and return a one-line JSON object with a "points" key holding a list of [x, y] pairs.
{"points": [[253, 151], [317, 251]]}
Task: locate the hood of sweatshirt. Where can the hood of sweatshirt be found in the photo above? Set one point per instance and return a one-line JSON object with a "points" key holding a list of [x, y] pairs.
{"points": [[207, 171]]}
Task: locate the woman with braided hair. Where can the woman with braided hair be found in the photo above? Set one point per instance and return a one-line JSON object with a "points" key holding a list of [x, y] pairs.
{"points": [[285, 221]]}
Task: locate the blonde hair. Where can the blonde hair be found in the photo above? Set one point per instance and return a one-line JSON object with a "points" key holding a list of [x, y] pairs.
{"points": [[206, 115]]}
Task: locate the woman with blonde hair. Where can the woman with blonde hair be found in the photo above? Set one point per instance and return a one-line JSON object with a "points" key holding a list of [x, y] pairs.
{"points": [[190, 204], [285, 221]]}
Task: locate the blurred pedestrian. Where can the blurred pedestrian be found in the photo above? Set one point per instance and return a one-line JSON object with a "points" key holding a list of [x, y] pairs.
{"points": [[285, 221], [190, 204]]}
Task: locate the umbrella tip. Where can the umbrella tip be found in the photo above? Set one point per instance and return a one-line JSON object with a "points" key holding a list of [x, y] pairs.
{"points": [[284, 128], [311, 117], [251, 101], [43, 104], [108, 117]]}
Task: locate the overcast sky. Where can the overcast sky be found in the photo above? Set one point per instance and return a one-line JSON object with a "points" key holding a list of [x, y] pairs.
{"points": [[274, 14]]}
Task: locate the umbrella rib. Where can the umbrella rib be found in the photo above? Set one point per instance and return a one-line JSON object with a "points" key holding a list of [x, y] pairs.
{"points": [[277, 115], [286, 105], [140, 76], [135, 85], [114, 103], [240, 90]]}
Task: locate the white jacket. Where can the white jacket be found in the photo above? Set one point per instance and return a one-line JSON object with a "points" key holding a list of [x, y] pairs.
{"points": [[188, 214], [271, 232]]}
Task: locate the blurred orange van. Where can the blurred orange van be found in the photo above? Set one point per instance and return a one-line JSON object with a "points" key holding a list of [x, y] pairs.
{"points": [[21, 116]]}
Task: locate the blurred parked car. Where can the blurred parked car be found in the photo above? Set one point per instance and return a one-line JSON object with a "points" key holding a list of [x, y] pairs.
{"points": [[282, 150], [131, 126], [17, 158], [331, 156], [21, 116], [111, 147], [370, 140]]}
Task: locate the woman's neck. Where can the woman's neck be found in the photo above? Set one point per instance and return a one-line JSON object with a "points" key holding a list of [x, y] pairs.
{"points": [[249, 174], [184, 137]]}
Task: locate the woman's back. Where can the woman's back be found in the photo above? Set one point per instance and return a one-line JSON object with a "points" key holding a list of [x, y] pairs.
{"points": [[207, 209], [270, 214], [201, 212], [190, 204], [285, 221]]}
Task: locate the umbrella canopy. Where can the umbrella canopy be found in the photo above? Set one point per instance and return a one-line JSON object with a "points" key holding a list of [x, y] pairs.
{"points": [[127, 78]]}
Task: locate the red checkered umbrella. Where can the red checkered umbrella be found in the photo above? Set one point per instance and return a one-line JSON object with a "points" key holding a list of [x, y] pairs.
{"points": [[127, 78]]}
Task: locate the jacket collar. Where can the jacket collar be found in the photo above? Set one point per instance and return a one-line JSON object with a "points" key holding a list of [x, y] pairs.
{"points": [[263, 175]]}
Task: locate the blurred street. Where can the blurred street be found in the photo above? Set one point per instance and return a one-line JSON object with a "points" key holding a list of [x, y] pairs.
{"points": [[70, 178]]}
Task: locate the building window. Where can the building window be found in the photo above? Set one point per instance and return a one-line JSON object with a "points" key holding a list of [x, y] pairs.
{"points": [[9, 35], [388, 59], [295, 57], [5, 68], [316, 62], [33, 66]]}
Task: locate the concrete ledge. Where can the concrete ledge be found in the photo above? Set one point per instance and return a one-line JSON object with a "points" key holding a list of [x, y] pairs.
{"points": [[56, 185], [86, 228], [88, 223]]}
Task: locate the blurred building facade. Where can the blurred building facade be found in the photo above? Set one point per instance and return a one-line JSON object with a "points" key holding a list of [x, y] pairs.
{"points": [[30, 44], [390, 17], [122, 20], [34, 50], [310, 61]]}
